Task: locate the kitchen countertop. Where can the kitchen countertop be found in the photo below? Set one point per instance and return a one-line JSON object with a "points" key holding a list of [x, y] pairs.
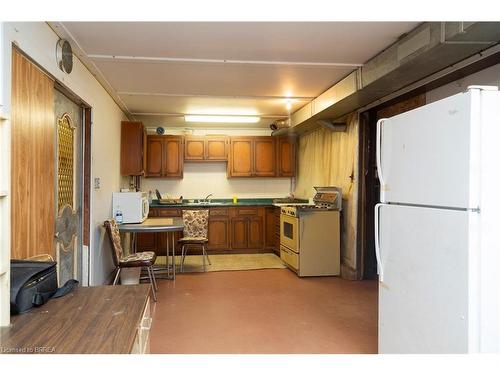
{"points": [[219, 203]]}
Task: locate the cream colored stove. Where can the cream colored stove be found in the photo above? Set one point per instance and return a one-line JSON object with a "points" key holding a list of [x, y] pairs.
{"points": [[310, 234]]}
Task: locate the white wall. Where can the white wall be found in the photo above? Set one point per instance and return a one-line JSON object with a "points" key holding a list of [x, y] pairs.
{"points": [[38, 41], [486, 77], [201, 179]]}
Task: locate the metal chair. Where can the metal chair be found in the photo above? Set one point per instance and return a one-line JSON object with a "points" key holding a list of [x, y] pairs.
{"points": [[140, 259], [195, 233]]}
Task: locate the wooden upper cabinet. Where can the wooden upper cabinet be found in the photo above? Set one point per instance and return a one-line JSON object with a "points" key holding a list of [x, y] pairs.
{"points": [[264, 157], [285, 155], [165, 156], [173, 162], [154, 157], [216, 148], [241, 157], [194, 148], [252, 157], [200, 148], [133, 135]]}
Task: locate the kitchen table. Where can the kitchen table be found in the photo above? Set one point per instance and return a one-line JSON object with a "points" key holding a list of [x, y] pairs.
{"points": [[157, 224]]}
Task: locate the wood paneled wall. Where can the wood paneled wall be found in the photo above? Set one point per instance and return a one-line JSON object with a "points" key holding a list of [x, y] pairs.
{"points": [[33, 160]]}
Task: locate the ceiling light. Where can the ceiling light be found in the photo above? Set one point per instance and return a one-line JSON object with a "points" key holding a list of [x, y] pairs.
{"points": [[222, 119], [288, 104]]}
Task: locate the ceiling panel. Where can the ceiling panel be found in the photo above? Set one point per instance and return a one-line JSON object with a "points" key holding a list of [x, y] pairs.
{"points": [[219, 79], [195, 87], [209, 105], [343, 42]]}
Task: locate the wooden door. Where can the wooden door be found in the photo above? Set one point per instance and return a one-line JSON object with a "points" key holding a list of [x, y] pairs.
{"points": [[173, 161], [286, 157], [218, 233], [154, 157], [216, 148], [241, 157], [264, 157], [33, 206], [255, 232], [194, 149], [239, 233], [131, 144]]}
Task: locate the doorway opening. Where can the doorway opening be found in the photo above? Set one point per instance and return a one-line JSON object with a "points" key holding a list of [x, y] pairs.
{"points": [[50, 167]]}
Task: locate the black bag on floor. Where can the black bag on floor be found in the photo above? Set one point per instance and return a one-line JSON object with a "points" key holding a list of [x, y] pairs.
{"points": [[34, 283]]}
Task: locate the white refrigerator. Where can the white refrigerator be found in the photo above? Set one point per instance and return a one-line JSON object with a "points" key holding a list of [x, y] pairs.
{"points": [[437, 228]]}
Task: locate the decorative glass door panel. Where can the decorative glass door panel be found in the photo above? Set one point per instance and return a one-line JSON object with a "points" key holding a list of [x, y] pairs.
{"points": [[68, 230]]}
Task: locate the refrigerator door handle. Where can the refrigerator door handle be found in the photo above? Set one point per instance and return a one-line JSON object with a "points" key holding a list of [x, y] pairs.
{"points": [[377, 243], [378, 157]]}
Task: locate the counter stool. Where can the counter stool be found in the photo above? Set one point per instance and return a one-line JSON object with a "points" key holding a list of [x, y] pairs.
{"points": [[195, 233], [140, 259]]}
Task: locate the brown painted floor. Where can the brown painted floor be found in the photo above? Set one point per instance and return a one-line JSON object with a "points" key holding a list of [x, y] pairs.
{"points": [[264, 311]]}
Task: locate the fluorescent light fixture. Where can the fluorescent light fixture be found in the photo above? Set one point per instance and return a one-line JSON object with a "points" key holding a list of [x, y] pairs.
{"points": [[222, 119]]}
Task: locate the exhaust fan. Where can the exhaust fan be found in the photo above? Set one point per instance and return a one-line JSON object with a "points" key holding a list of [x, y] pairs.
{"points": [[333, 126], [279, 124]]}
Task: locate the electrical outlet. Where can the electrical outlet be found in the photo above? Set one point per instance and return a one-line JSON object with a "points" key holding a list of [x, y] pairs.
{"points": [[97, 183]]}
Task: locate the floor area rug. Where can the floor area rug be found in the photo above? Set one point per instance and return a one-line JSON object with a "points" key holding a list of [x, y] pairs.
{"points": [[227, 262]]}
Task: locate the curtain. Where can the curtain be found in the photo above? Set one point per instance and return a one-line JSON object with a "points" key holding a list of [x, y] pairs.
{"points": [[328, 158]]}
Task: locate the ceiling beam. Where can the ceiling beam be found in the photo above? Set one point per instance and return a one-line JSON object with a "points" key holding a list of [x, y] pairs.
{"points": [[220, 61], [296, 98], [203, 114]]}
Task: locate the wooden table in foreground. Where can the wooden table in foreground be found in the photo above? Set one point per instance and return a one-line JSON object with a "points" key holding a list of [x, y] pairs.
{"points": [[101, 319], [158, 224]]}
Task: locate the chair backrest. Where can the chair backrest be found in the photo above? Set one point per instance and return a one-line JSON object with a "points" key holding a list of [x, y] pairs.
{"points": [[195, 223], [114, 240]]}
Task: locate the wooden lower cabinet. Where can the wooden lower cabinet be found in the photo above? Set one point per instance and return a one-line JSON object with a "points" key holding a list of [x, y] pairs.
{"points": [[239, 230], [256, 232], [218, 233], [272, 229], [146, 241], [248, 229]]}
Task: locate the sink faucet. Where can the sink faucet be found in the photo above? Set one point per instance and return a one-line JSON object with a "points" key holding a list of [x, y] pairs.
{"points": [[206, 198]]}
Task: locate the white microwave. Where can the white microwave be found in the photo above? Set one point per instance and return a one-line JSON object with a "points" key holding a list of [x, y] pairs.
{"points": [[133, 205]]}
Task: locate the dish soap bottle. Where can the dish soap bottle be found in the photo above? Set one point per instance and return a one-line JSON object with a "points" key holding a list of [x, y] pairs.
{"points": [[119, 215]]}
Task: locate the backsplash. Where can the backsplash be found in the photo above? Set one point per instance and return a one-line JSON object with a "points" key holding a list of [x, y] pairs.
{"points": [[201, 179]]}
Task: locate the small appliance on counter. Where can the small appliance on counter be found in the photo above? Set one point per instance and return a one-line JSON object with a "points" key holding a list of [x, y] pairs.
{"points": [[310, 234], [134, 206]]}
